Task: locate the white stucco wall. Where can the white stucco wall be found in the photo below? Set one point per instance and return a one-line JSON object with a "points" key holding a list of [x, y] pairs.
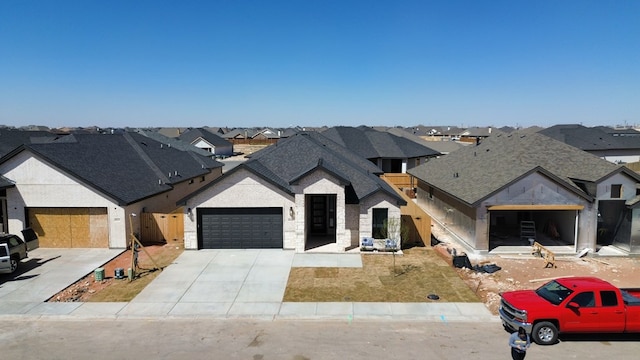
{"points": [[39, 184]]}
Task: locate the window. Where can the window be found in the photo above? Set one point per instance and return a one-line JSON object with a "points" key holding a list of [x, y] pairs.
{"points": [[430, 195], [609, 298], [616, 191], [202, 178], [379, 221], [585, 299], [3, 251]]}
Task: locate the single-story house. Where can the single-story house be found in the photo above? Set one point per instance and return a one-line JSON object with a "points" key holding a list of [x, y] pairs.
{"points": [[512, 189], [83, 190], [618, 147], [208, 141], [303, 192]]}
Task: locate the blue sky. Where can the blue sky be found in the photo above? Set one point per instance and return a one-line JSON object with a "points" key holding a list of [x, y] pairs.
{"points": [[276, 63]]}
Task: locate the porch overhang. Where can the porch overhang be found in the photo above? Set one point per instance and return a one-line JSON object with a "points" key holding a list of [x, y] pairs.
{"points": [[534, 207]]}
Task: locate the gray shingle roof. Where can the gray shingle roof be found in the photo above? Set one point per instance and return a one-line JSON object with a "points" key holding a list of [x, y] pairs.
{"points": [[373, 144], [587, 139], [5, 183], [475, 172], [127, 167], [192, 135], [13, 138], [284, 163]]}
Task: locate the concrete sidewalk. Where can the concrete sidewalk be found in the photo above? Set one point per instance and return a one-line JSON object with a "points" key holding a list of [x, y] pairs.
{"points": [[243, 284]]}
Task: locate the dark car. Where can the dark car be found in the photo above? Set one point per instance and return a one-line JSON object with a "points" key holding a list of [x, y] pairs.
{"points": [[13, 249]]}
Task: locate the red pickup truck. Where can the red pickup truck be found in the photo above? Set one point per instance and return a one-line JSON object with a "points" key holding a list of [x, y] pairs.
{"points": [[571, 305]]}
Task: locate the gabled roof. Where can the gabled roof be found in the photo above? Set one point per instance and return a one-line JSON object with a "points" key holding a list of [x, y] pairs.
{"points": [[127, 167], [192, 135], [590, 139], [239, 134], [174, 142], [372, 144], [286, 162], [5, 183], [475, 172]]}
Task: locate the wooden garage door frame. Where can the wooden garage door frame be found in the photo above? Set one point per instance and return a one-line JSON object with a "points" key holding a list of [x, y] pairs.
{"points": [[240, 228], [70, 227]]}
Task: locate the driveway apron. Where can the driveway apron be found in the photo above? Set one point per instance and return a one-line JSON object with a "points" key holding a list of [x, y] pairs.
{"points": [[217, 282]]}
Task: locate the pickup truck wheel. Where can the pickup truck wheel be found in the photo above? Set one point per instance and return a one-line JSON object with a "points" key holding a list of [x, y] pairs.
{"points": [[14, 265], [544, 333]]}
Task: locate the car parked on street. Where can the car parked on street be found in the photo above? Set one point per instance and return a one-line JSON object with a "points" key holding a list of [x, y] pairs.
{"points": [[13, 250]]}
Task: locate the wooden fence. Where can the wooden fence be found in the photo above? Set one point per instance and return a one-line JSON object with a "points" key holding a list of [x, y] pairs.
{"points": [[398, 179], [634, 166], [413, 217], [160, 228]]}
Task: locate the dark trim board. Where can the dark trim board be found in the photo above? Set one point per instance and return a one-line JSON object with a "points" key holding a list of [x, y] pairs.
{"points": [[240, 228]]}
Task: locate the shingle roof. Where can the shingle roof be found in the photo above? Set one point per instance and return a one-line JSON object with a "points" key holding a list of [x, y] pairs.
{"points": [[12, 138], [373, 144], [192, 135], [475, 172], [175, 142], [285, 162], [5, 183], [443, 147], [127, 167], [590, 139]]}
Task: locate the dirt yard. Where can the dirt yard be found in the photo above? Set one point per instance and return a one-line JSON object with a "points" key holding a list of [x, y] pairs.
{"points": [[527, 271], [112, 289]]}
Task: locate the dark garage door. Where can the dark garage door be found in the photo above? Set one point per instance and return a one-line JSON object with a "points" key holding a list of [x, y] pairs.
{"points": [[239, 228]]}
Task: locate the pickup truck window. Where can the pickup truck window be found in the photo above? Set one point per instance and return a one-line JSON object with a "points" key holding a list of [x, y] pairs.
{"points": [[609, 298], [3, 251], [553, 292], [585, 299]]}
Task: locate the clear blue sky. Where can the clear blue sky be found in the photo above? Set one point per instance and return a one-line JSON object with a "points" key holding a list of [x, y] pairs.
{"points": [[276, 63]]}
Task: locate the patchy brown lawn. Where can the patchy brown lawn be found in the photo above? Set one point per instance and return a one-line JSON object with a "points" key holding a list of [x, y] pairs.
{"points": [[416, 274]]}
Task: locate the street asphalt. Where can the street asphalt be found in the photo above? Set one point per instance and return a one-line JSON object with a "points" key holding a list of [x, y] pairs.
{"points": [[207, 284]]}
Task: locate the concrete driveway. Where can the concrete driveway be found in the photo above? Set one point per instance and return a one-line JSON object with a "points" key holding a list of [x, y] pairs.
{"points": [[45, 273]]}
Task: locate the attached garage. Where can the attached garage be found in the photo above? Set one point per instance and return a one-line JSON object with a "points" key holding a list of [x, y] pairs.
{"points": [[70, 227], [240, 228], [549, 225]]}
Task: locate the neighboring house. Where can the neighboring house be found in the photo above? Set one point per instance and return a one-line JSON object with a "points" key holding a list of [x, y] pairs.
{"points": [[516, 187], [208, 141], [618, 147], [173, 142], [434, 133], [391, 153], [443, 147], [4, 185], [475, 134], [300, 193], [82, 190]]}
